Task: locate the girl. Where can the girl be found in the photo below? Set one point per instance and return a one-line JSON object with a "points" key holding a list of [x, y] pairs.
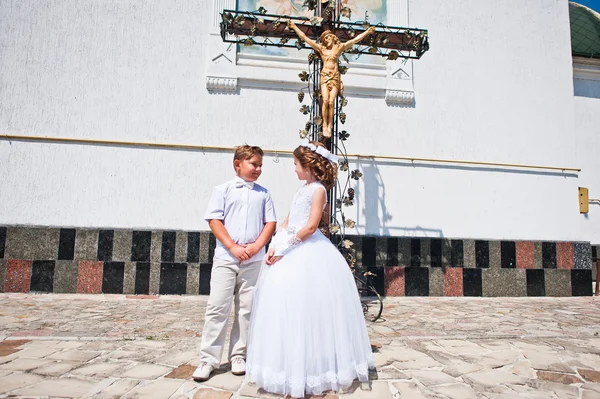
{"points": [[307, 332]]}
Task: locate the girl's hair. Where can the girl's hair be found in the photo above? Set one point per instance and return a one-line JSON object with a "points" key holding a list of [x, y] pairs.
{"points": [[323, 170]]}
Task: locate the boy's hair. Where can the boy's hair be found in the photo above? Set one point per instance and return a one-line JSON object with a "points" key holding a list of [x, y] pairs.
{"points": [[245, 152]]}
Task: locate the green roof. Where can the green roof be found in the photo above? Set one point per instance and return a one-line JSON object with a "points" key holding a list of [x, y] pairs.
{"points": [[585, 31]]}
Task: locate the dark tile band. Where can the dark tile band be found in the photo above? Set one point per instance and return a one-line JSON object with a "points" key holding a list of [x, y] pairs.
{"points": [[167, 262]]}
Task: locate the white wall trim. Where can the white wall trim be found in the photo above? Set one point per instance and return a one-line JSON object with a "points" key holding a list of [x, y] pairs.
{"points": [[221, 84], [399, 97]]}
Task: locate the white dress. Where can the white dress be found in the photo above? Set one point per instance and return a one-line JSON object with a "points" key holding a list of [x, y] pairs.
{"points": [[307, 332]]}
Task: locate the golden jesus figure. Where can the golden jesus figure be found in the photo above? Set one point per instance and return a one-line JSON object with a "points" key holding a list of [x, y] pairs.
{"points": [[330, 50]]}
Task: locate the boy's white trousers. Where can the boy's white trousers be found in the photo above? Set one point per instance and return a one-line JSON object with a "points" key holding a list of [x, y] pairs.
{"points": [[229, 281]]}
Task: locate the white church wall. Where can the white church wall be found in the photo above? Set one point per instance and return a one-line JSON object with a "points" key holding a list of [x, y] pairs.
{"points": [[496, 86], [586, 83]]}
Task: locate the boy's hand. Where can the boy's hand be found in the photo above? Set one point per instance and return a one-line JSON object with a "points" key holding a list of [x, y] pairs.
{"points": [[239, 252], [252, 249]]}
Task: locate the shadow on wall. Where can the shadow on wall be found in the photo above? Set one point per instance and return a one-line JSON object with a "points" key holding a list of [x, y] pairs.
{"points": [[381, 219], [378, 218]]}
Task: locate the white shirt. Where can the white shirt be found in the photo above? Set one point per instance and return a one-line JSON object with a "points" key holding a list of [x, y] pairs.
{"points": [[244, 207]]}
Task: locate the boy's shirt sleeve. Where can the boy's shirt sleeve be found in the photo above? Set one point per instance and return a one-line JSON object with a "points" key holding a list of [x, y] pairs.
{"points": [[216, 206], [269, 210]]}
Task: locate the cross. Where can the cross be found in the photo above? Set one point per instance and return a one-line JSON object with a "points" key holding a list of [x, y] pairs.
{"points": [[322, 32]]}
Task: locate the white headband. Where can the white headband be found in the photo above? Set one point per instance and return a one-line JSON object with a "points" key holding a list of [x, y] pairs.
{"points": [[321, 151]]}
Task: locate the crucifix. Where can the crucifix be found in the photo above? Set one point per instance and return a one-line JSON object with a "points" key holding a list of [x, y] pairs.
{"points": [[330, 38]]}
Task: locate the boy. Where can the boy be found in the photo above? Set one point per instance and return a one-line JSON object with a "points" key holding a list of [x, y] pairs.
{"points": [[241, 215]]}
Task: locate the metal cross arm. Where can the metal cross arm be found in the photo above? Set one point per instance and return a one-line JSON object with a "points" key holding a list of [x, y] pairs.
{"points": [[256, 28]]}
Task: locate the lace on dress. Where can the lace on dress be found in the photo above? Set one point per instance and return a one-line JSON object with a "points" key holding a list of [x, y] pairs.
{"points": [[286, 239]]}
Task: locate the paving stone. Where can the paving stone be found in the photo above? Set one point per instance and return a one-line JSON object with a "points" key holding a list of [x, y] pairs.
{"points": [[74, 355], [460, 369], [403, 354], [531, 394], [431, 377], [116, 389], [121, 354], [189, 388], [6, 359], [560, 390], [460, 347], [378, 389], [590, 375], [146, 343], [64, 388], [422, 363], [182, 372], [522, 368], [499, 359], [488, 378], [63, 344], [455, 391], [558, 377], [102, 369], [206, 393], [380, 360], [8, 347], [591, 386], [533, 347], [176, 358], [408, 389], [527, 391], [387, 373], [546, 361], [99, 387], [162, 388], [590, 395], [102, 346], [446, 358], [252, 390], [496, 345], [591, 361], [25, 364], [225, 380], [56, 369], [37, 353], [17, 380], [146, 371], [420, 335]]}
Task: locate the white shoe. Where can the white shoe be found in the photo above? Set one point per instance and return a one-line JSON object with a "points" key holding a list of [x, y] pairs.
{"points": [[203, 372], [238, 366]]}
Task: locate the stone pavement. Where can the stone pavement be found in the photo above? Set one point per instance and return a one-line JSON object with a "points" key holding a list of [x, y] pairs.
{"points": [[113, 346]]}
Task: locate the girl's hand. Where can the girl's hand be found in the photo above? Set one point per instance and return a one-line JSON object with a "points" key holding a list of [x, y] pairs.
{"points": [[269, 256], [274, 259]]}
